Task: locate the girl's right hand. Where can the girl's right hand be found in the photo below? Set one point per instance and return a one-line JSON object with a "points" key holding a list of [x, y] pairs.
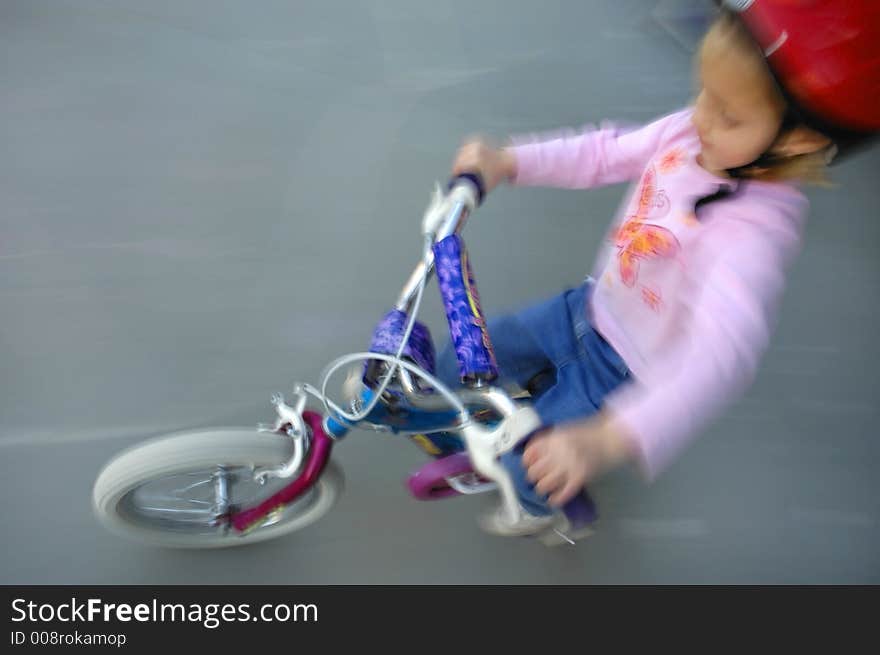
{"points": [[495, 165]]}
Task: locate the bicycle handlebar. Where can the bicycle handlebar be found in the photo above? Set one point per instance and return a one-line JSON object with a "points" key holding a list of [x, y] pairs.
{"points": [[446, 215], [475, 179]]}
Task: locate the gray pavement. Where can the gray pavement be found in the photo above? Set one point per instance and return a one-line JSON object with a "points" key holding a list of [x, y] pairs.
{"points": [[203, 202]]}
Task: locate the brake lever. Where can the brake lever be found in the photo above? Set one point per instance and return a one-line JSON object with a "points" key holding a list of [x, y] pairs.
{"points": [[485, 446], [290, 416]]}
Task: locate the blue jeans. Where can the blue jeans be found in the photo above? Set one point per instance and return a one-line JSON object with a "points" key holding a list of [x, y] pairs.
{"points": [[552, 350]]}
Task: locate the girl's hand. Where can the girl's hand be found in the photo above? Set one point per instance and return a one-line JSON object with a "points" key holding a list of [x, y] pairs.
{"points": [[495, 165], [561, 460]]}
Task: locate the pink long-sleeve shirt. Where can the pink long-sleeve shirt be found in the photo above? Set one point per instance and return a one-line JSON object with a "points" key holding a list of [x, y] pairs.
{"points": [[689, 303]]}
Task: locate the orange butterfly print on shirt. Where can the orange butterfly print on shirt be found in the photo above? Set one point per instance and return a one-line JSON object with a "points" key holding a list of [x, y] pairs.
{"points": [[652, 298], [671, 160], [637, 240]]}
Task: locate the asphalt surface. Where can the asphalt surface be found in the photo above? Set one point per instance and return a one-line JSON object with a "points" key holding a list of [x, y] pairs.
{"points": [[204, 202]]}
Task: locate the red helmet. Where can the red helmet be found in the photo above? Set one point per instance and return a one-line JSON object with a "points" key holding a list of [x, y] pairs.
{"points": [[825, 55]]}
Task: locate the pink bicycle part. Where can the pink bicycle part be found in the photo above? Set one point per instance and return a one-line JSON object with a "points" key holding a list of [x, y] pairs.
{"points": [[319, 455], [429, 482]]}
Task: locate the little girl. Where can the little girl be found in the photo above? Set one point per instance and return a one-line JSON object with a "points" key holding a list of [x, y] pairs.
{"points": [[671, 328]]}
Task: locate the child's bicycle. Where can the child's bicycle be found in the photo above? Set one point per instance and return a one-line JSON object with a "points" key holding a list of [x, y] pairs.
{"points": [[227, 487]]}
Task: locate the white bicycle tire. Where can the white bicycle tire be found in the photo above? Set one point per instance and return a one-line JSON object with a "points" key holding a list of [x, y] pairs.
{"points": [[184, 452]]}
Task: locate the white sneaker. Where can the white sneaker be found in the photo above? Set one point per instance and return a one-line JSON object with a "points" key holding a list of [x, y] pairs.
{"points": [[551, 530], [498, 523]]}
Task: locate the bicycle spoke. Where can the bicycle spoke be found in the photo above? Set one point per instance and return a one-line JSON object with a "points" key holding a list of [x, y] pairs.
{"points": [[192, 486]]}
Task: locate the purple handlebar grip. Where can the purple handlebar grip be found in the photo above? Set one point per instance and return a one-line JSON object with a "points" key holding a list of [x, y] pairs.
{"points": [[467, 327], [388, 335]]}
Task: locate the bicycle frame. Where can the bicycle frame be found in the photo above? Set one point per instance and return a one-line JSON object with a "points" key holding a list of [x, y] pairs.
{"points": [[404, 407]]}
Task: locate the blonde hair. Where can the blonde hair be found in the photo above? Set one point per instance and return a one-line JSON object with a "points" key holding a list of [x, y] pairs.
{"points": [[810, 167]]}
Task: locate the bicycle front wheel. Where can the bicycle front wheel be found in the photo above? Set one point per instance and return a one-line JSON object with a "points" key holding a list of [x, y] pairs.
{"points": [[166, 491]]}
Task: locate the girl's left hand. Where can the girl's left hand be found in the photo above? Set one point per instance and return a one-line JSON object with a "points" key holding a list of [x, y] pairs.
{"points": [[561, 460]]}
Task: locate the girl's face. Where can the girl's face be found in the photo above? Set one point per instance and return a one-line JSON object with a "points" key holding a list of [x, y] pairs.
{"points": [[738, 113]]}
